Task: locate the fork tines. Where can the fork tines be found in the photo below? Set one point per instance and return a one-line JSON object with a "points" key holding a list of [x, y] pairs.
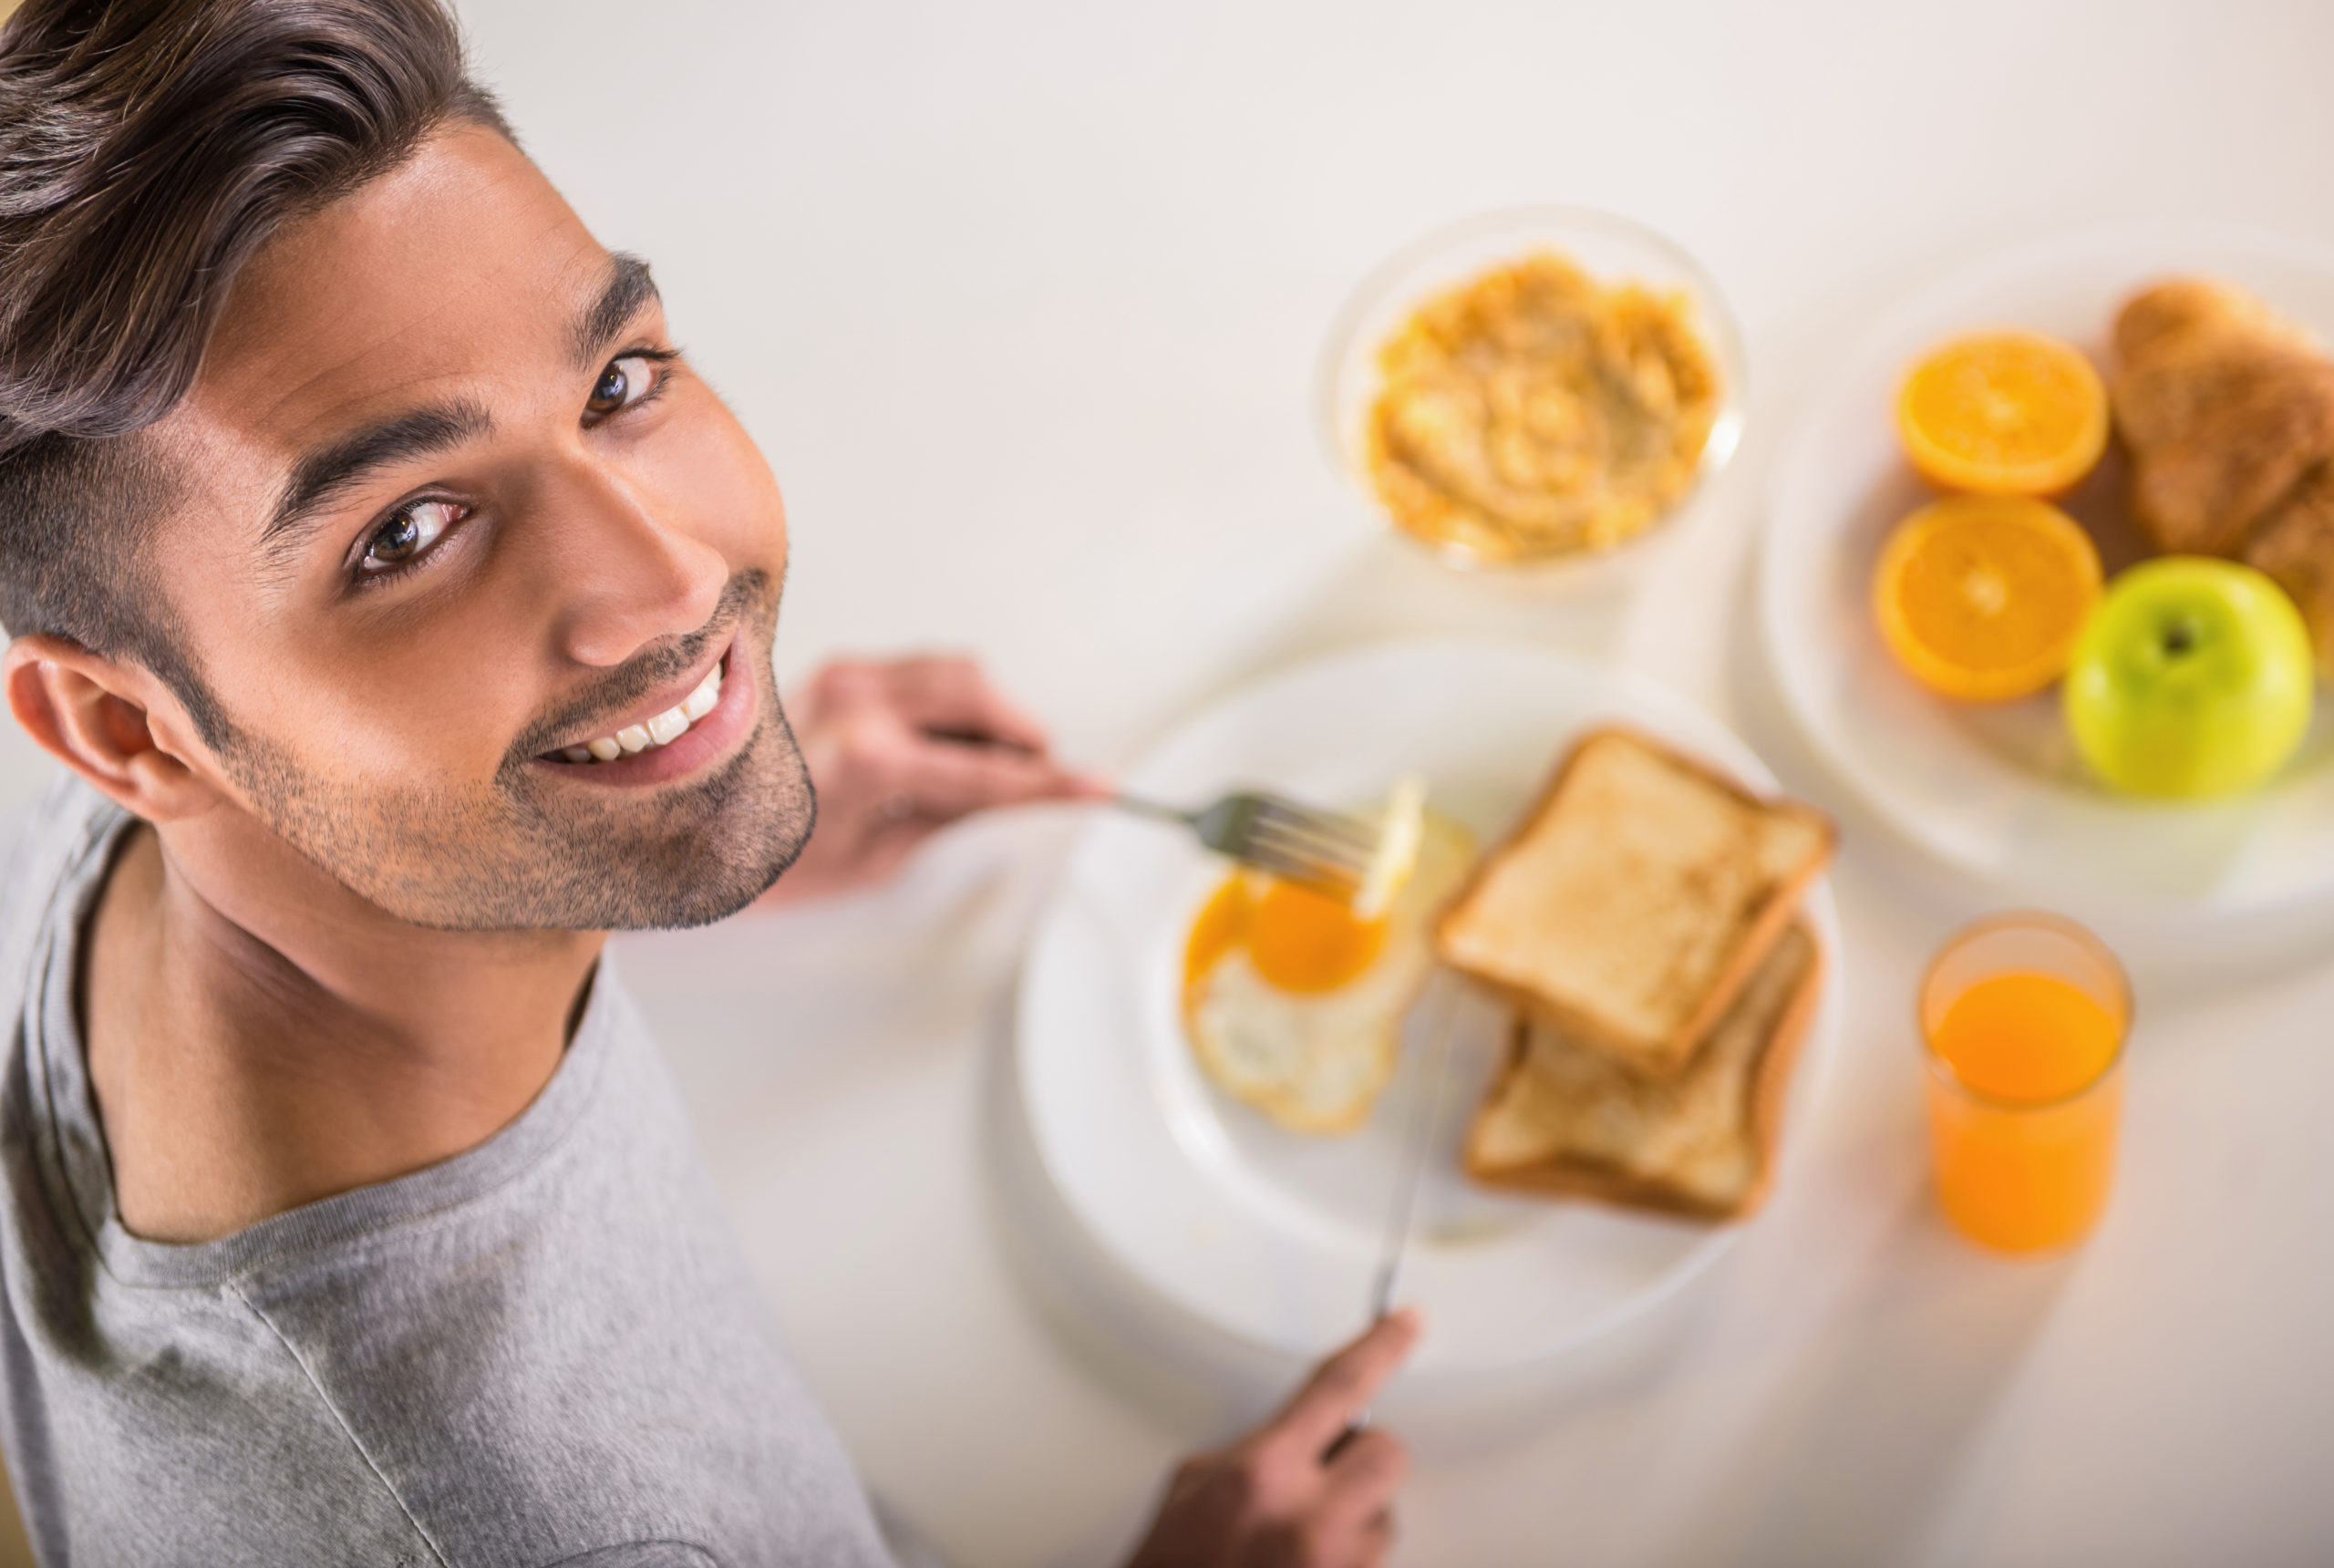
{"points": [[1325, 851]]}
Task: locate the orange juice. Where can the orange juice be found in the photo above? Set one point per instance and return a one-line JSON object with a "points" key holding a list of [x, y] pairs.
{"points": [[2023, 1106]]}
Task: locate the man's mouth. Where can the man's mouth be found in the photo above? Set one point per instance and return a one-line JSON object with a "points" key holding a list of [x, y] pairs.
{"points": [[672, 741], [661, 729]]}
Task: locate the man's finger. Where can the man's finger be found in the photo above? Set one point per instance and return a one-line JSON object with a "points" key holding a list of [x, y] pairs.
{"points": [[946, 780], [951, 696], [1342, 1387], [1360, 1546], [1378, 1537], [1363, 1479]]}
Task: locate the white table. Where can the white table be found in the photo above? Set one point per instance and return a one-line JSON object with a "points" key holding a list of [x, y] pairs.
{"points": [[1023, 302]]}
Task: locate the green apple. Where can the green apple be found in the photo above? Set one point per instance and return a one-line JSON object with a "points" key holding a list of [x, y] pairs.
{"points": [[2192, 679]]}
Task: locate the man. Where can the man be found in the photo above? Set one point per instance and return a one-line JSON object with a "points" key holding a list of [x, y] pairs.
{"points": [[402, 607]]}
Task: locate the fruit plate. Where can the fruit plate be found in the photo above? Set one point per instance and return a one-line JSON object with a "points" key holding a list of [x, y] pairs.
{"points": [[1998, 792], [1271, 1237]]}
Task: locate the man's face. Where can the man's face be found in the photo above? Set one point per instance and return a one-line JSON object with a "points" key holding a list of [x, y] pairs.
{"points": [[448, 513]]}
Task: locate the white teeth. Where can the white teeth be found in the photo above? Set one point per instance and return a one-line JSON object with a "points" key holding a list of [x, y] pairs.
{"points": [[662, 730]]}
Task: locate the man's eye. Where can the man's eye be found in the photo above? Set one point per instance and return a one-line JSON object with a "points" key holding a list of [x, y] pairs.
{"points": [[408, 532], [624, 383]]}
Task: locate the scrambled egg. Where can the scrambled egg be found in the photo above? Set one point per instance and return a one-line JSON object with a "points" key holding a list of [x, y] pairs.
{"points": [[1536, 412]]}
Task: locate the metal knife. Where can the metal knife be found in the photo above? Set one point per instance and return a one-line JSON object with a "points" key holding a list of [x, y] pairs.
{"points": [[1425, 1114]]}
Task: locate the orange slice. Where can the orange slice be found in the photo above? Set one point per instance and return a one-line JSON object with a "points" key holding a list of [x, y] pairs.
{"points": [[2003, 413], [1980, 597]]}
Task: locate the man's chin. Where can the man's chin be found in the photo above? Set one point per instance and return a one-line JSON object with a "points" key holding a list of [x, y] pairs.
{"points": [[709, 849], [678, 856], [726, 872]]}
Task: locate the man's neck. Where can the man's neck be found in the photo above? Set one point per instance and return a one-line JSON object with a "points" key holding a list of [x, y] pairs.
{"points": [[260, 1038]]}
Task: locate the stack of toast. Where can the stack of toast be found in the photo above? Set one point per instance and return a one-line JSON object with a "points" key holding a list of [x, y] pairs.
{"points": [[1643, 923]]}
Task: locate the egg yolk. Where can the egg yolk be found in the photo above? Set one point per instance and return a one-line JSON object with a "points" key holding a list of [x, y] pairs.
{"points": [[1222, 927], [1299, 940]]}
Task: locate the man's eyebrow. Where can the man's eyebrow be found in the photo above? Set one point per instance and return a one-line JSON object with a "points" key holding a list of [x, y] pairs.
{"points": [[628, 289], [331, 470]]}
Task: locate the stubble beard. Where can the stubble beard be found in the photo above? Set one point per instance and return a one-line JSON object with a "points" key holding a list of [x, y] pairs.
{"points": [[534, 854]]}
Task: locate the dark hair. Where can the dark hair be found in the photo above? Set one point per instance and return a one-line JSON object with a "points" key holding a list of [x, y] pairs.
{"points": [[147, 149]]}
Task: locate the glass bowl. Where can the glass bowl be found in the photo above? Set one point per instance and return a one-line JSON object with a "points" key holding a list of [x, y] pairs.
{"points": [[1608, 248]]}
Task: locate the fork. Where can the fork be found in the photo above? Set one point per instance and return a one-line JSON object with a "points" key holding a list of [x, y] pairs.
{"points": [[1328, 851]]}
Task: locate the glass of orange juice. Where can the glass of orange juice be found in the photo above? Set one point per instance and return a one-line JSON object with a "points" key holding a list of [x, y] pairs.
{"points": [[2023, 1017]]}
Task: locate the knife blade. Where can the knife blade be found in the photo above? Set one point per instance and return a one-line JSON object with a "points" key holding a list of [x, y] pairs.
{"points": [[1425, 1114]]}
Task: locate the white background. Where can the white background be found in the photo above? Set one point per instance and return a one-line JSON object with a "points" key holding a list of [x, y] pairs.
{"points": [[1023, 302]]}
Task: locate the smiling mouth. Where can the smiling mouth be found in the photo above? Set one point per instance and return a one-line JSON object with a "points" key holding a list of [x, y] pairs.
{"points": [[661, 730]]}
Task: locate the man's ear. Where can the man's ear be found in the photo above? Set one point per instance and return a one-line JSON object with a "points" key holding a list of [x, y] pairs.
{"points": [[91, 714]]}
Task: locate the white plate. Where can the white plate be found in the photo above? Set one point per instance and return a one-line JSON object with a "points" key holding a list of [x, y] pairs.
{"points": [[1267, 1236], [1998, 792]]}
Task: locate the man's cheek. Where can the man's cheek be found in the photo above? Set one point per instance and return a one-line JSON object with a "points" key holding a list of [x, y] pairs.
{"points": [[442, 731], [713, 483]]}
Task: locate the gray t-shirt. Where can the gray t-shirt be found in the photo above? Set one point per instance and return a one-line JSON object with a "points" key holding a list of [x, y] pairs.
{"points": [[546, 1350]]}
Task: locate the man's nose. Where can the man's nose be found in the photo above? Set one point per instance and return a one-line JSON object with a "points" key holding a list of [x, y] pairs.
{"points": [[622, 575]]}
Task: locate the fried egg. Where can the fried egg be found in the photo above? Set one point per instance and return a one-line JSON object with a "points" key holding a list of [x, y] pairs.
{"points": [[1294, 1002]]}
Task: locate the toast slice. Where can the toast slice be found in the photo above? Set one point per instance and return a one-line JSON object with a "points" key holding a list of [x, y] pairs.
{"points": [[1567, 1119], [1635, 899]]}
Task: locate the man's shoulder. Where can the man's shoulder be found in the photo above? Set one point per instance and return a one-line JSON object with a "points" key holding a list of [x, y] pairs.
{"points": [[64, 807], [40, 847], [47, 854]]}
